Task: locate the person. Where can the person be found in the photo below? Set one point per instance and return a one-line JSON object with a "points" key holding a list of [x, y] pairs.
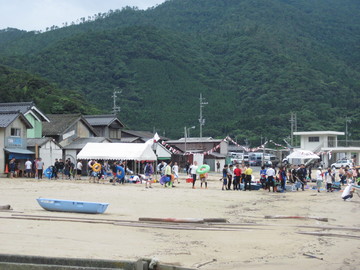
{"points": [[161, 167], [243, 168], [348, 192], [224, 177], [193, 169], [282, 178], [237, 177], [79, 166], [61, 168], [342, 175], [329, 180], [203, 179], [148, 171], [28, 166], [218, 166], [168, 174], [56, 168], [12, 167], [175, 170], [120, 174], [263, 177], [301, 175], [67, 169], [319, 179], [248, 175], [230, 175], [39, 168], [270, 173], [294, 175], [309, 169]]}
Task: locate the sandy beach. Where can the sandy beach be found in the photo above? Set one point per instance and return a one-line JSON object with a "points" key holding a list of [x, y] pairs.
{"points": [[247, 241]]}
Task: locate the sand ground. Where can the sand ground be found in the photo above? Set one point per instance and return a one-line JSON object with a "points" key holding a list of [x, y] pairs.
{"points": [[252, 243]]}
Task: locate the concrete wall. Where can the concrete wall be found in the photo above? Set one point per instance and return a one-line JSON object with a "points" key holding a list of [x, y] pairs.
{"points": [[49, 152]]}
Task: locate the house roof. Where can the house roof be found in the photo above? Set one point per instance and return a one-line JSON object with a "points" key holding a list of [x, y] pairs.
{"points": [[7, 117], [103, 120], [144, 135], [61, 122], [32, 142], [196, 140], [305, 133], [25, 108], [79, 143]]}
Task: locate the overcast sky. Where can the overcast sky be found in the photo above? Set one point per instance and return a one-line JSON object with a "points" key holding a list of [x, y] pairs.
{"points": [[38, 14]]}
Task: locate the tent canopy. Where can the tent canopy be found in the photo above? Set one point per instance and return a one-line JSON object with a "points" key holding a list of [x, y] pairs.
{"points": [[117, 151], [302, 154]]}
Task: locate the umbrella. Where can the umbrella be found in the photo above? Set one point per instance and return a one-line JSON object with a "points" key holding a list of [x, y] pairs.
{"points": [[302, 154]]}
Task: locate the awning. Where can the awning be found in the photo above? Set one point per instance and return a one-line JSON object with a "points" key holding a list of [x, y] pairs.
{"points": [[302, 154], [19, 153], [117, 151]]}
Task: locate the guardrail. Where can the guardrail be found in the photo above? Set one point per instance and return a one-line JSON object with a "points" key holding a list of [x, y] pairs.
{"points": [[22, 262]]}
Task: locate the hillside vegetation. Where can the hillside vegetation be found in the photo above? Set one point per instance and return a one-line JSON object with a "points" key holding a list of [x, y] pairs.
{"points": [[254, 61]]}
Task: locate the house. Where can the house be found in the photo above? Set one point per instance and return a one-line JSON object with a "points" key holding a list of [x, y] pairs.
{"points": [[133, 136], [32, 114], [213, 150], [71, 150], [326, 144], [46, 148], [65, 128], [108, 125], [13, 132]]}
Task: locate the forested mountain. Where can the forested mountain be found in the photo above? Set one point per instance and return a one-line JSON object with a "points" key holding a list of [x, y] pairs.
{"points": [[254, 61], [19, 86]]}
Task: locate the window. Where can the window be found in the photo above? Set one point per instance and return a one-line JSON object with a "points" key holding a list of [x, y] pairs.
{"points": [[16, 132], [314, 139]]}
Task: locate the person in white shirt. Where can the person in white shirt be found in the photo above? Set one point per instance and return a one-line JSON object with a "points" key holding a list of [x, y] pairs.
{"points": [[319, 178], [329, 180], [79, 166], [348, 192], [270, 173], [193, 169], [175, 170], [28, 166]]}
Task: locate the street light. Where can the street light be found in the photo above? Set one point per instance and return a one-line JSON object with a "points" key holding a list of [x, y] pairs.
{"points": [[188, 130], [186, 133]]}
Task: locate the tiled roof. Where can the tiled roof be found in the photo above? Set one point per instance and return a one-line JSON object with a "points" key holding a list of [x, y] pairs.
{"points": [[32, 142], [102, 120], [23, 107], [59, 123], [7, 117], [135, 133], [79, 143]]}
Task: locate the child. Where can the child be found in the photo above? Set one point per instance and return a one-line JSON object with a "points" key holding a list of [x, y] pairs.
{"points": [[225, 174], [329, 180], [203, 178], [319, 179]]}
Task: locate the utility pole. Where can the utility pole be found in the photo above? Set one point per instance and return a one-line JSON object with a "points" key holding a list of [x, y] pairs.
{"points": [[293, 122], [347, 120], [185, 135], [201, 119], [116, 109]]}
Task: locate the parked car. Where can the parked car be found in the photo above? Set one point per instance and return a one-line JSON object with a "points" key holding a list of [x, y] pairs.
{"points": [[346, 163]]}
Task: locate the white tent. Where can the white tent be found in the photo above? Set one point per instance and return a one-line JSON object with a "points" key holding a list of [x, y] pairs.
{"points": [[117, 151], [302, 154]]}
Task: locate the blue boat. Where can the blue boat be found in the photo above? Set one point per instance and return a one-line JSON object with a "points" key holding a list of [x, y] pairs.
{"points": [[72, 206]]}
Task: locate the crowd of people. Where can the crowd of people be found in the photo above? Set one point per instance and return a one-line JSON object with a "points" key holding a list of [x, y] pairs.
{"points": [[234, 176]]}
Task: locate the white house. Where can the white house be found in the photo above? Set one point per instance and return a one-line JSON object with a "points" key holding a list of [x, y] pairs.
{"points": [[326, 144]]}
